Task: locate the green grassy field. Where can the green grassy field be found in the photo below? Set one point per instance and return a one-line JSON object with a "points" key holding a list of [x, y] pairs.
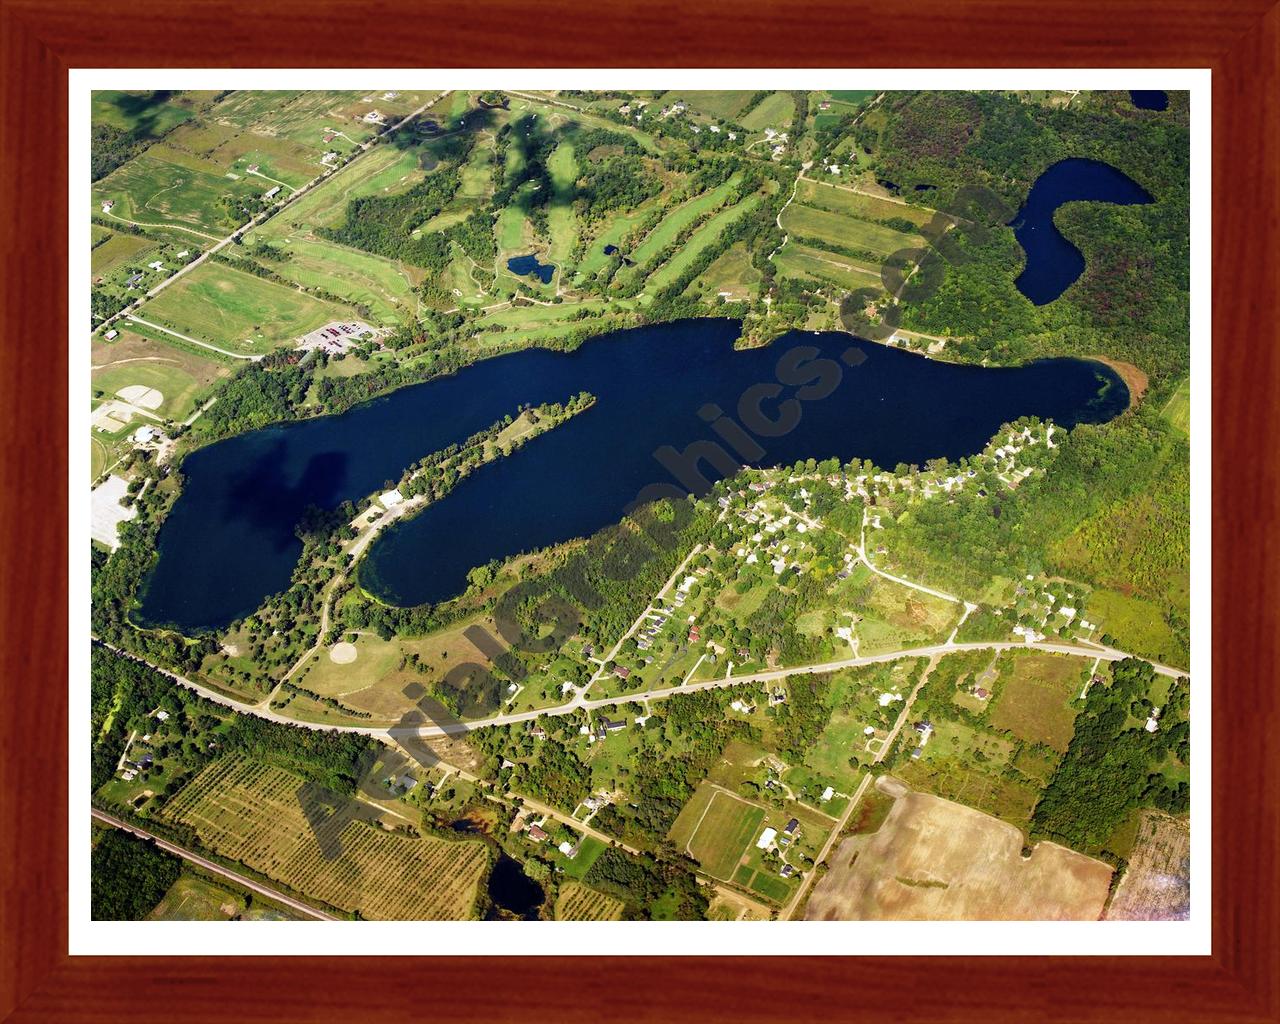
{"points": [[384, 286], [799, 261], [680, 218], [706, 235], [731, 272], [383, 170], [184, 374], [237, 311], [155, 188], [715, 827], [838, 229], [561, 221], [720, 104], [1178, 409], [1137, 625], [774, 111], [1035, 694], [153, 112], [836, 199], [118, 250]]}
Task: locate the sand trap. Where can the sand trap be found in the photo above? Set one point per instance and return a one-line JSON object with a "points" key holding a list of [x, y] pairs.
{"points": [[343, 653], [141, 396]]}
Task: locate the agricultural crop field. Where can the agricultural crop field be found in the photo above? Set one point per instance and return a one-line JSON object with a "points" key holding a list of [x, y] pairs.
{"points": [[1178, 409], [578, 902], [250, 812], [1157, 879], [237, 311], [844, 200], [801, 261], [847, 232], [934, 860]]}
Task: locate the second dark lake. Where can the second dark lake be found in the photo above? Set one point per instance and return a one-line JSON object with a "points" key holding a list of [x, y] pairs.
{"points": [[1053, 263], [229, 540]]}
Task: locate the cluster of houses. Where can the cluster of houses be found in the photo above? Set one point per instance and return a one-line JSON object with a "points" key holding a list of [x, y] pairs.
{"points": [[771, 840]]}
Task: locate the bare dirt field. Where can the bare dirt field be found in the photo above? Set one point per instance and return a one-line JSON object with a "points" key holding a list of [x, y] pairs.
{"points": [[1157, 884], [935, 860]]}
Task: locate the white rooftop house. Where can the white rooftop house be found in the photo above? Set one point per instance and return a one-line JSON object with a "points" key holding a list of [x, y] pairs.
{"points": [[1153, 720], [766, 838], [391, 498], [827, 794]]}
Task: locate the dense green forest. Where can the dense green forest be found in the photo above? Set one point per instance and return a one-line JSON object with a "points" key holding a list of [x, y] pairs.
{"points": [[128, 876], [1112, 766], [1132, 301]]}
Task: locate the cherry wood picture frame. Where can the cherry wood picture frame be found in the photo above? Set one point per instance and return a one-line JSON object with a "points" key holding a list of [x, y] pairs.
{"points": [[41, 39]]}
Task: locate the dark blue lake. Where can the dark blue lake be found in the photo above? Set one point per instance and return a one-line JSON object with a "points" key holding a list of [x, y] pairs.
{"points": [[528, 266], [1053, 263], [229, 540], [1149, 99]]}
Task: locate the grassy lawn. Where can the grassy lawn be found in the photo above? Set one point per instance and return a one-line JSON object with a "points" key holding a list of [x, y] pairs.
{"points": [[238, 311], [841, 200], [719, 828], [680, 218], [184, 374], [384, 286], [561, 222], [732, 273]]}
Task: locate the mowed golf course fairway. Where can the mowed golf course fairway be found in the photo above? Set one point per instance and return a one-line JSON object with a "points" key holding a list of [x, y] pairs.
{"points": [[715, 828], [935, 860], [237, 311]]}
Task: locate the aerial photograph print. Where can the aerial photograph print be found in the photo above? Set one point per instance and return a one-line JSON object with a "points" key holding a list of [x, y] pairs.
{"points": [[637, 505]]}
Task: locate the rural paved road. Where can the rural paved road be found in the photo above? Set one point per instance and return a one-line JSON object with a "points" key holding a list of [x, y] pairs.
{"points": [[217, 869], [389, 733]]}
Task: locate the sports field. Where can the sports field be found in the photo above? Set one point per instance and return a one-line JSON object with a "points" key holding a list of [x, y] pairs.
{"points": [[251, 812], [934, 860], [237, 311], [715, 827]]}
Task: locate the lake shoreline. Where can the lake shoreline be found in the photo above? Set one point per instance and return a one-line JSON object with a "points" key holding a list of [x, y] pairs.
{"points": [[1134, 379]]}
